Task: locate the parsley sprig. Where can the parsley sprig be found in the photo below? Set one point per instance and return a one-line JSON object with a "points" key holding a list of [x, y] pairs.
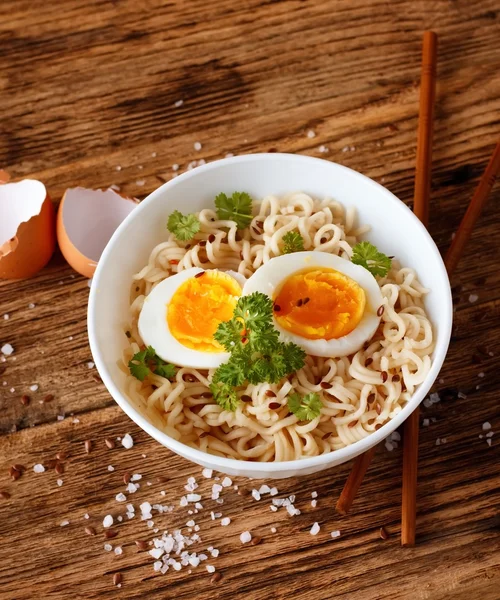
{"points": [[305, 408], [292, 242], [184, 227], [368, 256], [257, 355], [237, 208], [146, 361]]}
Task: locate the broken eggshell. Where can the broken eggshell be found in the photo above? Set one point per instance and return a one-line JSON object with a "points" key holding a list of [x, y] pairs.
{"points": [[86, 220], [27, 228]]}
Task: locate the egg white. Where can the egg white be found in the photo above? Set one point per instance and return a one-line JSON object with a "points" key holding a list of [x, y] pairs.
{"points": [[270, 276], [154, 330]]}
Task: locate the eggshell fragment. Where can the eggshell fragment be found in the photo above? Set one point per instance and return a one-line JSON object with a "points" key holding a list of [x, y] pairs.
{"points": [[27, 228], [86, 220]]}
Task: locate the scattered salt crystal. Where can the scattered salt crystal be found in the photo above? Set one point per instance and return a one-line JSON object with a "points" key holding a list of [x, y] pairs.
{"points": [[178, 103], [118, 550], [107, 521], [198, 505], [157, 565], [193, 497], [64, 523], [34, 387], [156, 552], [197, 146], [486, 426], [111, 468], [245, 537], [153, 154], [119, 518], [150, 523], [214, 553], [121, 497], [190, 523], [108, 547], [207, 473], [264, 489], [273, 508], [132, 487], [434, 398], [314, 495], [273, 491], [425, 422], [127, 441], [38, 468], [438, 442], [273, 529], [480, 374], [314, 503], [488, 441], [175, 167], [140, 182], [395, 436], [489, 434], [210, 568], [311, 134], [255, 495], [315, 529], [12, 390], [389, 446], [443, 440], [31, 305], [136, 477], [90, 365], [183, 501], [130, 515], [60, 417], [118, 168], [86, 516], [145, 508], [322, 149], [7, 349], [59, 482], [473, 298], [6, 317], [462, 396], [345, 149], [225, 521], [335, 534], [226, 482]]}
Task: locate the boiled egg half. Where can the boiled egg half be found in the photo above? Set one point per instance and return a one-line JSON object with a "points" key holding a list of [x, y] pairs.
{"points": [[323, 303], [181, 314]]}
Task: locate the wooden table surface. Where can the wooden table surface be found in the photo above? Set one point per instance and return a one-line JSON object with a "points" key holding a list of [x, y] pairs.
{"points": [[89, 95]]}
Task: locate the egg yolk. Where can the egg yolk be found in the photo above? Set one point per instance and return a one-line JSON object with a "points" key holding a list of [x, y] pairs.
{"points": [[199, 305], [319, 304]]}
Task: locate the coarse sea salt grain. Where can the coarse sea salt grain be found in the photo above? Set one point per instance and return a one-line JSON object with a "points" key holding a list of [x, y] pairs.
{"points": [[86, 516], [178, 103], [121, 497], [226, 482], [314, 494], [90, 365], [255, 495], [118, 550], [64, 523], [7, 349], [335, 534], [425, 423], [473, 298], [107, 521], [315, 529], [59, 482], [225, 521], [38, 468], [311, 134], [245, 537], [127, 441], [34, 387], [486, 426], [111, 468], [108, 547], [6, 317], [314, 503], [210, 568], [197, 146], [273, 529]]}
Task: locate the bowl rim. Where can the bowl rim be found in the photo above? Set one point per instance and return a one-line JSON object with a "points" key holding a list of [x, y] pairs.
{"points": [[254, 467]]}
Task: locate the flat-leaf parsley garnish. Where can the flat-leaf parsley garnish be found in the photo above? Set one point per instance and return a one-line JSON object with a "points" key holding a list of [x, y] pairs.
{"points": [[257, 355], [368, 256], [237, 208], [305, 408], [146, 361], [292, 242], [184, 227]]}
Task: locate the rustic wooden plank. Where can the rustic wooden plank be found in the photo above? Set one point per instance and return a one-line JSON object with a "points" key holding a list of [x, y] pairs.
{"points": [[88, 93]]}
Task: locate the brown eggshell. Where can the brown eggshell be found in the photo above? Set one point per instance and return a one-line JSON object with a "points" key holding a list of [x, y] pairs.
{"points": [[27, 229], [86, 220]]}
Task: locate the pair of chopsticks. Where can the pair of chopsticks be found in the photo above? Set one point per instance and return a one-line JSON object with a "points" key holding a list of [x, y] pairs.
{"points": [[421, 210]]}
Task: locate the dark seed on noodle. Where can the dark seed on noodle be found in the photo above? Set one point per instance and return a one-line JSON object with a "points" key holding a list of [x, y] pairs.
{"points": [[14, 473], [246, 398], [306, 300], [211, 238], [380, 311], [137, 287], [325, 385], [274, 405], [378, 408], [203, 243], [384, 376], [187, 246], [270, 394], [200, 274], [371, 398], [353, 424], [323, 240], [396, 378], [299, 302], [128, 334], [277, 308], [368, 362], [206, 395]]}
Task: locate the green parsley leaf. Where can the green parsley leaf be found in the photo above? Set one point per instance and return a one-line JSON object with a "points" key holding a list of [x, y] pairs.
{"points": [[184, 227], [367, 255], [257, 355], [225, 396], [146, 361], [292, 242], [238, 208], [305, 408]]}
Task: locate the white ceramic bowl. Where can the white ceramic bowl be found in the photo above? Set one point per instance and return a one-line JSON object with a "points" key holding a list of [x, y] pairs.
{"points": [[395, 230]]}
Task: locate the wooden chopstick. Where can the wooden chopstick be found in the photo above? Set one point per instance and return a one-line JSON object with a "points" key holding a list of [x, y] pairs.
{"points": [[473, 211], [452, 257], [421, 209]]}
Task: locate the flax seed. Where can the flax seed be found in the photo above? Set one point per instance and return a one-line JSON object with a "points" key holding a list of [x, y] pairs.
{"points": [[141, 545], [25, 399], [216, 577], [126, 478], [4, 495], [246, 398], [110, 443], [20, 468], [117, 579], [256, 540], [90, 531], [306, 300], [353, 424], [14, 473], [202, 243], [59, 468], [383, 533], [88, 446], [110, 534], [396, 378], [61, 456], [49, 398], [277, 308]]}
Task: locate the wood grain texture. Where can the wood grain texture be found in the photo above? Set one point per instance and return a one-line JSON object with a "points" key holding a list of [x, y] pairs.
{"points": [[88, 87]]}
